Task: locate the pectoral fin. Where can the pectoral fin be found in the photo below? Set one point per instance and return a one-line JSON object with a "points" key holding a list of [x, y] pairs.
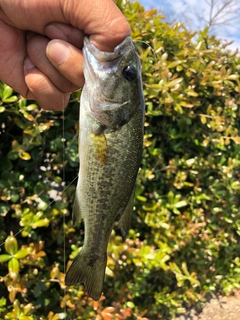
{"points": [[98, 138], [125, 220], [101, 149]]}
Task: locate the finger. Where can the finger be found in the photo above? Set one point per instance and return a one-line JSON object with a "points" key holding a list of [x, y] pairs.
{"points": [[36, 49], [12, 54], [68, 60], [66, 32], [102, 20], [41, 88]]}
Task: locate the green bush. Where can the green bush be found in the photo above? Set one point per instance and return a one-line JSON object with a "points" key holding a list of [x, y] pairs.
{"points": [[184, 240]]}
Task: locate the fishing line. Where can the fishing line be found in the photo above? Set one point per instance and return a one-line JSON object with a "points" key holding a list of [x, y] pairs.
{"points": [[64, 219], [149, 46], [55, 199]]}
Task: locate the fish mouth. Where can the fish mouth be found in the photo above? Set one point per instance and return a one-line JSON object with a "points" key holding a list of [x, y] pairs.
{"points": [[96, 60], [125, 46], [99, 66]]}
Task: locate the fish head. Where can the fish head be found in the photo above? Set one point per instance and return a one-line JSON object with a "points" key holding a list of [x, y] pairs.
{"points": [[114, 83]]}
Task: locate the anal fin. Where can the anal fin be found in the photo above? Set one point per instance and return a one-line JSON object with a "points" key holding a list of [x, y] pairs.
{"points": [[76, 212], [124, 222]]}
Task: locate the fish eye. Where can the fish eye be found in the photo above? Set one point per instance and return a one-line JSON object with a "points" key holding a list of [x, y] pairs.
{"points": [[129, 73]]}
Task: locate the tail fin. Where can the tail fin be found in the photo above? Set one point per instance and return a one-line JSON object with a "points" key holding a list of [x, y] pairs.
{"points": [[89, 271]]}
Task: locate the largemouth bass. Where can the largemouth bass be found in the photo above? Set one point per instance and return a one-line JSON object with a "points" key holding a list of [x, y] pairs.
{"points": [[110, 150]]}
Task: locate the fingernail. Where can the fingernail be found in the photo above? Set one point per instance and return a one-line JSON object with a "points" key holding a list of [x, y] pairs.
{"points": [[57, 51], [28, 64]]}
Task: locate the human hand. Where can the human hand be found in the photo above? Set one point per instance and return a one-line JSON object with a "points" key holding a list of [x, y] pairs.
{"points": [[48, 70]]}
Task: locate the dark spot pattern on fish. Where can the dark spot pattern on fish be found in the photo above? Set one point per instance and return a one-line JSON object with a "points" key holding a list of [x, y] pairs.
{"points": [[111, 141]]}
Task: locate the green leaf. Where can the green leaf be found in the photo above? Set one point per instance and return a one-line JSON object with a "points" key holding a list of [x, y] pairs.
{"points": [[31, 107], [186, 104], [11, 245], [233, 77], [28, 116], [42, 203], [5, 257], [174, 82], [130, 304], [174, 64], [236, 185], [13, 267], [11, 99], [24, 155], [16, 307], [14, 196], [41, 223], [7, 92], [4, 208], [40, 187], [27, 309], [181, 204], [3, 302], [12, 155], [22, 253], [141, 198], [192, 93]]}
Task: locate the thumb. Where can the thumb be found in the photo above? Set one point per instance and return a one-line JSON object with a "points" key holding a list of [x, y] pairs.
{"points": [[101, 20]]}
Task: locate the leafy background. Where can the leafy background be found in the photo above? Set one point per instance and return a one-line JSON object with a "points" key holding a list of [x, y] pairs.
{"points": [[185, 234]]}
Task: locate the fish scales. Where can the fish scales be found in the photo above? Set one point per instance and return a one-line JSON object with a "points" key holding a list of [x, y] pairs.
{"points": [[110, 150]]}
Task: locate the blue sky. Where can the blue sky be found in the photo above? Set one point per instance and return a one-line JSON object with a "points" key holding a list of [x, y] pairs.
{"points": [[175, 10]]}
